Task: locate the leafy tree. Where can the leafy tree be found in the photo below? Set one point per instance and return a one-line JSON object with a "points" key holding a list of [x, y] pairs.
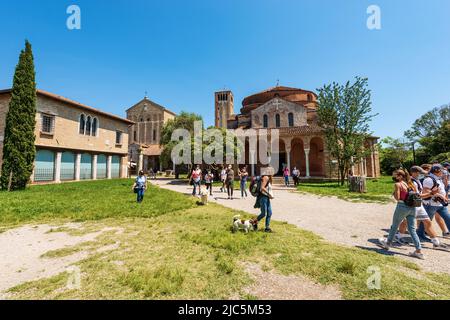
{"points": [[344, 113], [184, 120], [18, 146], [394, 153], [432, 132], [429, 123]]}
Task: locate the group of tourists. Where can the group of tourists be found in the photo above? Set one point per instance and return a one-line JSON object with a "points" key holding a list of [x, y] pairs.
{"points": [[422, 194], [226, 175], [295, 176]]}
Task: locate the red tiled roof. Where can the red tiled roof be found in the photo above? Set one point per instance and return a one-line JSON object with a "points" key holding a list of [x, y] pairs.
{"points": [[75, 104]]}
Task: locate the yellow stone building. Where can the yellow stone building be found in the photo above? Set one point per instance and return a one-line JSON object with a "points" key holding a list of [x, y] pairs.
{"points": [[73, 141]]}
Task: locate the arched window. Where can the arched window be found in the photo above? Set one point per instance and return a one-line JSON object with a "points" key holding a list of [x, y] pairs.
{"points": [[309, 97], [277, 121], [94, 127], [88, 126], [82, 123], [266, 121], [291, 119]]}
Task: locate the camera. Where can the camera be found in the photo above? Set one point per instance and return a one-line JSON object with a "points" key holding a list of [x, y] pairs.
{"points": [[441, 201]]}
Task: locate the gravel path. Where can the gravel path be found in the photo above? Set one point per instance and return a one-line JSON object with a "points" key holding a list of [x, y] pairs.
{"points": [[21, 251], [336, 220]]}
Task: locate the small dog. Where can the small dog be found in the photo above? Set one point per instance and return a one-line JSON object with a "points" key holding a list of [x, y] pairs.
{"points": [[240, 224]]}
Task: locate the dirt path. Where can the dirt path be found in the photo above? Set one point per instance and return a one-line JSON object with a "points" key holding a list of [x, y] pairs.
{"points": [[21, 251], [338, 221]]}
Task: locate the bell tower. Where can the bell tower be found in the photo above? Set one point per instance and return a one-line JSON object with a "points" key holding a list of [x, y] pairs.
{"points": [[224, 108]]}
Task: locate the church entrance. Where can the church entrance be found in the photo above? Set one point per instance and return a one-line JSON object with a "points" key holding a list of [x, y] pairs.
{"points": [[282, 163]]}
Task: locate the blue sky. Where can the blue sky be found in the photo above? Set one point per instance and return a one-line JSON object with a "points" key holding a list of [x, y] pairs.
{"points": [[183, 51]]}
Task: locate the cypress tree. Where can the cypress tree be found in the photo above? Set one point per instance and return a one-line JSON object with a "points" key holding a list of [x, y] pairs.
{"points": [[18, 145]]}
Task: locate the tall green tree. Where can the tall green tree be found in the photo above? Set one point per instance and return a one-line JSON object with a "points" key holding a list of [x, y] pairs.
{"points": [[432, 132], [18, 146], [184, 120], [344, 113], [394, 154]]}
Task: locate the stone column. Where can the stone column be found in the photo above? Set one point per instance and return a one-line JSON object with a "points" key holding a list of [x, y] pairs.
{"points": [[108, 167], [307, 162], [140, 161], [288, 157], [124, 167], [94, 167], [58, 167], [372, 159], [77, 166], [252, 161]]}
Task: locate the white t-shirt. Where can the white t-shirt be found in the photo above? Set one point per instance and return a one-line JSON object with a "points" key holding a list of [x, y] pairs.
{"points": [[428, 183], [223, 174]]}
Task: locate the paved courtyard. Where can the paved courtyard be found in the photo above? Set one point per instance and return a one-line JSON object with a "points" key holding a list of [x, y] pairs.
{"points": [[339, 221]]}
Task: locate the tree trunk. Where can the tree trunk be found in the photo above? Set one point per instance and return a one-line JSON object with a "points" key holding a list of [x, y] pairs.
{"points": [[10, 180]]}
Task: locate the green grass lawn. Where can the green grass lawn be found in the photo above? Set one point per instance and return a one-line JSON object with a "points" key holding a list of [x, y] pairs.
{"points": [[379, 190], [90, 200], [170, 248]]}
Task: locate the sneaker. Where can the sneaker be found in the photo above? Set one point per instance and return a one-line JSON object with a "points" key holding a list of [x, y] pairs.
{"points": [[424, 239], [441, 246], [417, 255], [399, 238], [446, 234], [383, 243], [268, 230]]}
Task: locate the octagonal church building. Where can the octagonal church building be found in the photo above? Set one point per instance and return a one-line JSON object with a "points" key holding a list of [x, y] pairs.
{"points": [[302, 142]]}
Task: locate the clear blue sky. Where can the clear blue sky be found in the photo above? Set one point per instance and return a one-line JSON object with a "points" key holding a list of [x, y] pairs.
{"points": [[183, 51]]}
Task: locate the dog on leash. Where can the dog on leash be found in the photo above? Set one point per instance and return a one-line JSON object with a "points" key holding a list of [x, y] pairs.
{"points": [[240, 224]]}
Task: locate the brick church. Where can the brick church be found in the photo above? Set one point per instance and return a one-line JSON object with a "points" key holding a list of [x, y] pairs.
{"points": [[294, 113]]}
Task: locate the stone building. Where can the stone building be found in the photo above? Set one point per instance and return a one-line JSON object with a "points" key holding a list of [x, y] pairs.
{"points": [[73, 141], [294, 113], [144, 136]]}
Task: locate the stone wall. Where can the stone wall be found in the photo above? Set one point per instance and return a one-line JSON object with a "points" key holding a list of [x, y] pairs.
{"points": [[281, 107], [150, 119]]}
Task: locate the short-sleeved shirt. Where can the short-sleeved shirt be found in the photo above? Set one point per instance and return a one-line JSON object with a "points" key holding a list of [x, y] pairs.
{"points": [[196, 175], [140, 182], [230, 175], [209, 178], [223, 174], [447, 175], [428, 183]]}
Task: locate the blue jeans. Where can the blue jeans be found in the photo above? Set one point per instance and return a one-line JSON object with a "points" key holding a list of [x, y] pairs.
{"points": [[195, 184], [401, 213], [243, 188], [140, 195], [266, 210], [286, 180], [442, 211]]}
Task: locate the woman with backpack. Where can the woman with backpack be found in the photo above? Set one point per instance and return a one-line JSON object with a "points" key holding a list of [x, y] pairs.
{"points": [[421, 214], [402, 188], [263, 199]]}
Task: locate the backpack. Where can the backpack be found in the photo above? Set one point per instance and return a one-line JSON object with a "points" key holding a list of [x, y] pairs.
{"points": [[435, 184], [413, 199], [255, 186]]}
